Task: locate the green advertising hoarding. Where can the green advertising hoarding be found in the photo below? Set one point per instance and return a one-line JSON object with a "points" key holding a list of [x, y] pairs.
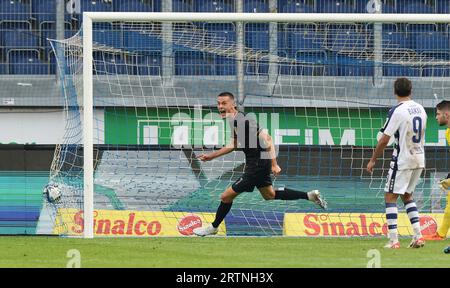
{"points": [[288, 126]]}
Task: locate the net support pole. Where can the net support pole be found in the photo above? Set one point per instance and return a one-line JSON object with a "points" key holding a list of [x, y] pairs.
{"points": [[240, 56], [273, 46], [88, 137], [59, 27], [378, 48]]}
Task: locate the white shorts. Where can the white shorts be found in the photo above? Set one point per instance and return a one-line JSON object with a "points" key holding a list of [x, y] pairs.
{"points": [[402, 181]]}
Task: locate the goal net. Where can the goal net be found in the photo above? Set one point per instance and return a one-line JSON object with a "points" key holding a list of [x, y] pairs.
{"points": [[321, 88]]}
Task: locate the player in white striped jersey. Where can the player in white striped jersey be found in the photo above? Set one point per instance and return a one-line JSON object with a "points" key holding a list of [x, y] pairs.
{"points": [[406, 123]]}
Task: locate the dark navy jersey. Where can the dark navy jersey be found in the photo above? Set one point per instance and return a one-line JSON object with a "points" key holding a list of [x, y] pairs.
{"points": [[246, 132]]}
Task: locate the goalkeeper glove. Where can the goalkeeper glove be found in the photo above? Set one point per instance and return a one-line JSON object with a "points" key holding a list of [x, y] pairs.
{"points": [[445, 183]]}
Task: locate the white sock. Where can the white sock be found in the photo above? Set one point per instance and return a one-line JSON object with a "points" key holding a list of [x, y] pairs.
{"points": [[413, 215], [391, 218]]}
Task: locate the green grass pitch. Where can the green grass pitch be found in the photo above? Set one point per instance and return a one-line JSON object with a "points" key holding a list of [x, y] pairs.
{"points": [[267, 252]]}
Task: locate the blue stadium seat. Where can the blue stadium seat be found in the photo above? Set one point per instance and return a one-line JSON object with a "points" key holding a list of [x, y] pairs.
{"points": [[225, 65], [260, 67], [256, 6], [347, 40], [51, 34], [257, 36], [19, 39], [138, 40], [435, 45], [133, 6], [413, 6], [26, 62], [442, 6], [14, 10], [395, 40], [15, 25], [221, 33], [107, 63], [333, 6], [436, 71], [193, 63], [182, 6], [45, 11], [433, 41], [304, 42], [147, 63], [108, 38], [412, 29], [3, 68], [221, 6], [401, 70], [343, 65], [294, 6], [311, 63], [388, 9], [95, 6]]}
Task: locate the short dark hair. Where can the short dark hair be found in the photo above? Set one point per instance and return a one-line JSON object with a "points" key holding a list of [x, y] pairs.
{"points": [[229, 94], [402, 87], [443, 105]]}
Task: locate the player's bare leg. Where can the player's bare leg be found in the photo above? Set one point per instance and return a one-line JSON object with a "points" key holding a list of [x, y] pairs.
{"points": [[226, 198], [269, 193], [413, 214]]}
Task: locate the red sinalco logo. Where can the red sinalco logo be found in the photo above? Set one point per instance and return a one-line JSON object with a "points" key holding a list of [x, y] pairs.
{"points": [[428, 225], [188, 224]]}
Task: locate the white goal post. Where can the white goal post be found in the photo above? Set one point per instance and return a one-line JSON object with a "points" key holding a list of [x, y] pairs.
{"points": [[89, 18]]}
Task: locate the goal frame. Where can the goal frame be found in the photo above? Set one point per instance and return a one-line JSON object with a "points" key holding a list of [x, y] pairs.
{"points": [[90, 17]]}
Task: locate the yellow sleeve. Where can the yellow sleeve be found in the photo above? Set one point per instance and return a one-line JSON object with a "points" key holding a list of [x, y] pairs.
{"points": [[447, 135]]}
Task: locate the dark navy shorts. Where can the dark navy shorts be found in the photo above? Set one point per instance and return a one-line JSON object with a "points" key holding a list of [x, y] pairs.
{"points": [[257, 174]]}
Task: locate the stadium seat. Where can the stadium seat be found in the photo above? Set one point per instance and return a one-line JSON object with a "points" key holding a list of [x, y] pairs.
{"points": [[3, 68], [96, 6], [193, 63], [51, 34], [433, 41], [220, 35], [436, 71], [343, 65], [26, 62], [401, 70], [395, 41], [294, 6], [15, 10], [182, 6], [256, 6], [413, 6], [433, 45], [108, 63], [333, 6], [19, 39], [221, 6], [442, 6], [412, 29], [147, 63], [340, 40], [257, 36], [311, 63], [108, 38], [139, 40], [133, 6], [225, 65], [304, 42], [45, 12]]}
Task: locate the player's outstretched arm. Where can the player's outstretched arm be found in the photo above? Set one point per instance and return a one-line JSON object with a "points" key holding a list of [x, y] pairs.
{"points": [[222, 151], [269, 145], [382, 143]]}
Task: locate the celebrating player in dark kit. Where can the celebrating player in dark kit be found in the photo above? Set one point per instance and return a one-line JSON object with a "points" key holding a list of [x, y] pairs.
{"points": [[260, 162]]}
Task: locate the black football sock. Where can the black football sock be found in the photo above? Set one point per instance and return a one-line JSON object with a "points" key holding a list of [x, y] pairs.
{"points": [[289, 194], [222, 211]]}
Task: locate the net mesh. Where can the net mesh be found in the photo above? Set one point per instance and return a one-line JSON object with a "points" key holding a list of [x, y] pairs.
{"points": [[322, 90]]}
